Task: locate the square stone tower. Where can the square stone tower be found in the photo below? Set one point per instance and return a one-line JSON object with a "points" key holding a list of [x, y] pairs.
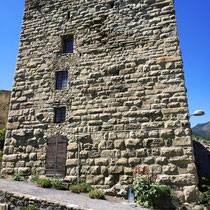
{"points": [[98, 91]]}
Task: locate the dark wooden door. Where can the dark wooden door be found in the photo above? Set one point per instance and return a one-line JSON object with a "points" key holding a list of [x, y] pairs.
{"points": [[56, 156]]}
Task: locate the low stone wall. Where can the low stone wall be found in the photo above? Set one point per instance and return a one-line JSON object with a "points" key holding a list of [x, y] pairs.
{"points": [[18, 201], [4, 107]]}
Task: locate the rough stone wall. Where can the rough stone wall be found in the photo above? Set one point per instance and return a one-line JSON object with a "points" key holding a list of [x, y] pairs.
{"points": [[134, 119], [17, 201], [4, 107]]}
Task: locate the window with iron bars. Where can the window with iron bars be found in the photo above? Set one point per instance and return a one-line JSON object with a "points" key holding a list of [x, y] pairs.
{"points": [[61, 80], [68, 45], [60, 114]]}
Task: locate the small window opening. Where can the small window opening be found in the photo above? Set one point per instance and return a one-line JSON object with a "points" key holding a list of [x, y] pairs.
{"points": [[68, 15], [68, 45], [111, 4], [60, 114], [61, 80], [115, 73]]}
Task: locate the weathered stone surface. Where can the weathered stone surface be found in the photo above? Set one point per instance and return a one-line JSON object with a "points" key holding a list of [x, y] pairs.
{"points": [[131, 143], [191, 193], [72, 146], [171, 151], [119, 144], [102, 161], [122, 161], [115, 169], [10, 158], [24, 171], [124, 96], [4, 108]]}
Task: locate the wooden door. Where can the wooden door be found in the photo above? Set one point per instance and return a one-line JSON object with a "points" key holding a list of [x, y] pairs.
{"points": [[56, 156]]}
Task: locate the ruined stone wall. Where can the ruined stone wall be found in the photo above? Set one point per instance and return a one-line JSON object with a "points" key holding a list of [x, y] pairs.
{"points": [[4, 107], [120, 122]]}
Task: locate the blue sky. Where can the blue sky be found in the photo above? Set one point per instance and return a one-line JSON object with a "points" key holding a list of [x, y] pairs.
{"points": [[193, 19]]}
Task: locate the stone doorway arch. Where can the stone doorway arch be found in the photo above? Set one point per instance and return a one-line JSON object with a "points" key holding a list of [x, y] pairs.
{"points": [[56, 156]]}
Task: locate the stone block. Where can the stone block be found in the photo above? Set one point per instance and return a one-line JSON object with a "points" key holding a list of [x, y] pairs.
{"points": [[102, 145], [108, 153], [182, 141], [191, 193], [72, 162], [109, 180], [167, 133], [95, 180], [33, 156], [7, 171], [170, 169], [128, 170], [149, 160], [126, 180], [14, 125], [24, 170], [134, 161], [72, 147], [95, 170], [10, 158], [161, 160], [122, 161], [115, 169], [102, 161], [131, 143], [104, 170], [119, 144], [141, 152], [29, 149], [171, 151]]}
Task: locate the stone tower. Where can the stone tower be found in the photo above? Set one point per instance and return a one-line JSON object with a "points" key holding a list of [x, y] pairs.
{"points": [[98, 91]]}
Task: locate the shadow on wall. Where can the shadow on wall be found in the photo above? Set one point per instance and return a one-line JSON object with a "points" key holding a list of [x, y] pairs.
{"points": [[202, 158]]}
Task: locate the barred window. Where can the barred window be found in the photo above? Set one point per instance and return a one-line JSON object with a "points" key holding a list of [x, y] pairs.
{"points": [[60, 115], [68, 45], [61, 80]]}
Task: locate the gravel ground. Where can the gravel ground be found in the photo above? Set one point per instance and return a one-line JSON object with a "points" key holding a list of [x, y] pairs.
{"points": [[67, 197]]}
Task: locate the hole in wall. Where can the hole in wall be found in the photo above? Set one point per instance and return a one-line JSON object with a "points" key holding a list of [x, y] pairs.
{"points": [[111, 4], [68, 15]]}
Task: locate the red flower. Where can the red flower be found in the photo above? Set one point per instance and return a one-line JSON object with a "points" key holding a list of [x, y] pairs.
{"points": [[134, 173], [154, 178], [146, 171], [138, 171]]}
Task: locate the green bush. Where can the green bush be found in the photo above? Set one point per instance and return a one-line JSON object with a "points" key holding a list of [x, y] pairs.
{"points": [[81, 188], [2, 138], [31, 207], [204, 187], [96, 194], [58, 185], [45, 183], [17, 177], [147, 190], [34, 178], [165, 191]]}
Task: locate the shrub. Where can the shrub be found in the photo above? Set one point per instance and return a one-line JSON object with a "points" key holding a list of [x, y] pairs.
{"points": [[83, 187], [58, 185], [45, 183], [165, 191], [96, 194], [17, 177], [204, 187], [147, 189], [31, 207], [34, 178]]}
